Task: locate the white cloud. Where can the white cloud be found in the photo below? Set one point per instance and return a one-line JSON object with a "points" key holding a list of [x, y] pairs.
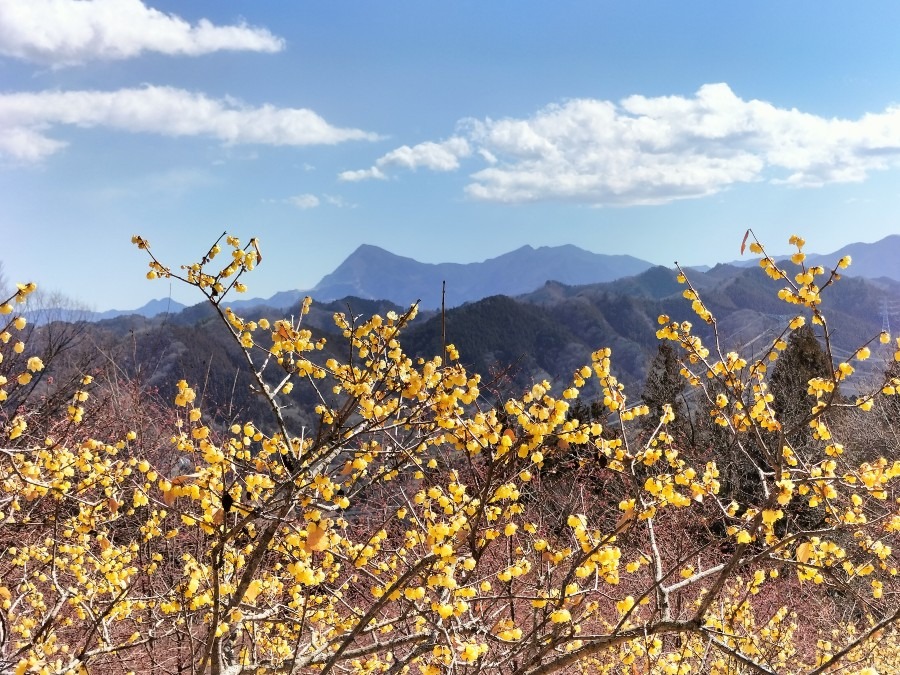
{"points": [[361, 174], [69, 32], [25, 119], [306, 201], [27, 145], [443, 156], [338, 201], [311, 201], [487, 156], [653, 150]]}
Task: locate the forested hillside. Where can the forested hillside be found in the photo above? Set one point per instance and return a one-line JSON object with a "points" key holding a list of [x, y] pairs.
{"points": [[521, 340]]}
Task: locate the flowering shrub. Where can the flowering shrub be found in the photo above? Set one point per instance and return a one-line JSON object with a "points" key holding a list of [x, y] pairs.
{"points": [[415, 527]]}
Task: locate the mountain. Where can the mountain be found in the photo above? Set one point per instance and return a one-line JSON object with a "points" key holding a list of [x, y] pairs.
{"points": [[372, 272], [871, 261], [151, 309], [44, 315], [551, 331], [880, 259], [512, 341], [280, 300]]}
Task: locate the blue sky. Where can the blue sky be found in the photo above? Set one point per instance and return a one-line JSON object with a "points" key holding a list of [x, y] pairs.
{"points": [[440, 131]]}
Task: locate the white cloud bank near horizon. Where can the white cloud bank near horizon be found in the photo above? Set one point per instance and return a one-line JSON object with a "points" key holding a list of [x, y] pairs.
{"points": [[654, 150], [62, 33], [26, 118]]}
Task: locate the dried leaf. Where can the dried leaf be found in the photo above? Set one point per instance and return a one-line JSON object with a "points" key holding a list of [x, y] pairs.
{"points": [[744, 242], [625, 521]]}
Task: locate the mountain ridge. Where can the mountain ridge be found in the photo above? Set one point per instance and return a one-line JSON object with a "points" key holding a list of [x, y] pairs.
{"points": [[374, 273], [528, 268], [513, 342]]}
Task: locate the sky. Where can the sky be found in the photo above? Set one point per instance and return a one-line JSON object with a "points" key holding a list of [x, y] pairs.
{"points": [[445, 132]]}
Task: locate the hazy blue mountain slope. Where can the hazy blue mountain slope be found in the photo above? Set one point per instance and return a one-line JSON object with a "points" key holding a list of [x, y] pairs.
{"points": [[372, 272]]}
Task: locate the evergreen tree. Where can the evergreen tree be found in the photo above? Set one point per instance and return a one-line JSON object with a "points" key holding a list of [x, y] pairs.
{"points": [[665, 385], [803, 359]]}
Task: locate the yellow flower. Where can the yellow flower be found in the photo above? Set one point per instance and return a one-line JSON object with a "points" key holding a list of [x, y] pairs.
{"points": [[561, 616], [576, 520], [770, 516], [18, 427], [625, 604], [35, 364]]}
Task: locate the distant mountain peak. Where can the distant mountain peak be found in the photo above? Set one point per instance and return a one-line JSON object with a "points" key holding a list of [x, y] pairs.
{"points": [[375, 273], [369, 248]]}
